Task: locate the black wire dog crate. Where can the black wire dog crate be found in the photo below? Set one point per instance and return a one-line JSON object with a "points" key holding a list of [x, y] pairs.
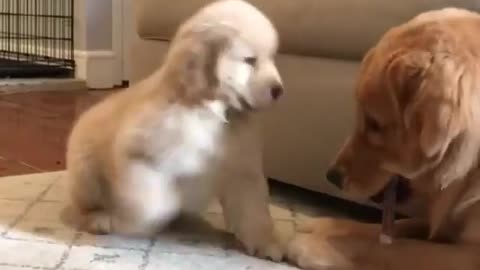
{"points": [[36, 38]]}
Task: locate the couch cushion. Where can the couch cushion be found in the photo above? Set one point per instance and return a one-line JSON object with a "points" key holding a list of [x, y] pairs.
{"points": [[326, 28]]}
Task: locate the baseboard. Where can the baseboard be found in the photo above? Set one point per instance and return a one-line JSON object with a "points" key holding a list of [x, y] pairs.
{"points": [[97, 68]]}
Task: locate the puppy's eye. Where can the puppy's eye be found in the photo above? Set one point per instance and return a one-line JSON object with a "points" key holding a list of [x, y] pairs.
{"points": [[252, 61], [372, 125]]}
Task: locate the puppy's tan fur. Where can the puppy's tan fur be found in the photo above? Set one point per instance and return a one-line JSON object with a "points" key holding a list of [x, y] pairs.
{"points": [[418, 100], [184, 135]]}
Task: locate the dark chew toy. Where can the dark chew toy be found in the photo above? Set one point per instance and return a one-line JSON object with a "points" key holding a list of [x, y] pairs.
{"points": [[388, 219]]}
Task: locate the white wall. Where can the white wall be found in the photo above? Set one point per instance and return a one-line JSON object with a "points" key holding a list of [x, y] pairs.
{"points": [[94, 53], [93, 24]]}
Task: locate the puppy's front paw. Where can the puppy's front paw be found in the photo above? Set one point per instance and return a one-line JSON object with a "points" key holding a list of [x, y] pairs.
{"points": [[94, 222], [98, 223]]}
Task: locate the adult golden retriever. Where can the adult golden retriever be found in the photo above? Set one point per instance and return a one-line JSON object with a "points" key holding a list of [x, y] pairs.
{"points": [[418, 117]]}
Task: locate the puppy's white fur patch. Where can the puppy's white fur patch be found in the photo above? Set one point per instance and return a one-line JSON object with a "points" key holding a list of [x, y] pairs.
{"points": [[202, 131], [196, 133], [152, 184], [233, 70], [219, 109]]}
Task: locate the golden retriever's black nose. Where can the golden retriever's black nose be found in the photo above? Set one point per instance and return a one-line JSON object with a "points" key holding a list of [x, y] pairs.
{"points": [[335, 176], [276, 91]]}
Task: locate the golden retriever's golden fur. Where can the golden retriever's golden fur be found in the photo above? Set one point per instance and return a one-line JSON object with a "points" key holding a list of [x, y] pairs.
{"points": [[184, 135], [418, 116]]}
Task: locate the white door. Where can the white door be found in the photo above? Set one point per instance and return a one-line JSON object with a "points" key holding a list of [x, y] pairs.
{"points": [[123, 34], [129, 34]]}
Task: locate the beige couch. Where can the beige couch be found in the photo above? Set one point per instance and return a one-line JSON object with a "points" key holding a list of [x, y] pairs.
{"points": [[322, 42]]}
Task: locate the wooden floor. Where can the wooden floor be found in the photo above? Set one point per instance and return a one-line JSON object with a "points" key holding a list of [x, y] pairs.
{"points": [[34, 127]]}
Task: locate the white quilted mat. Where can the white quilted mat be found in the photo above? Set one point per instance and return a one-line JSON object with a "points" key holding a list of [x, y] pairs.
{"points": [[33, 237]]}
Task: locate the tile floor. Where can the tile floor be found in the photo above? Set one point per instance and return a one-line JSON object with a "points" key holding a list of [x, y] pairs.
{"points": [[33, 236]]}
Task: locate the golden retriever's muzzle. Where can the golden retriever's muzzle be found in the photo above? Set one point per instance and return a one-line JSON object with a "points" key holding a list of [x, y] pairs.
{"points": [[335, 176], [403, 191], [356, 171]]}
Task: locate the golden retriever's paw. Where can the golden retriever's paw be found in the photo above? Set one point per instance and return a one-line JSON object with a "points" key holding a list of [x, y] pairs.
{"points": [[310, 252], [297, 252], [273, 250], [327, 227]]}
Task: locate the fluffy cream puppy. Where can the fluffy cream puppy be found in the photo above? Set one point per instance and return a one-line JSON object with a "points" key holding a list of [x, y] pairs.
{"points": [[184, 135]]}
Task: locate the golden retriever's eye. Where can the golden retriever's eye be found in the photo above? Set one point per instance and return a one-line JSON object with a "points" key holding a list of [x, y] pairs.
{"points": [[252, 61], [372, 125]]}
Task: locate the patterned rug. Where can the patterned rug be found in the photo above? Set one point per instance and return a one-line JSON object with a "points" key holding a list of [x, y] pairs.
{"points": [[33, 236]]}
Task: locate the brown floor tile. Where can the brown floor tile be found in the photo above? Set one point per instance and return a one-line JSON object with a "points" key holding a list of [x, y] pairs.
{"points": [[34, 127], [10, 167]]}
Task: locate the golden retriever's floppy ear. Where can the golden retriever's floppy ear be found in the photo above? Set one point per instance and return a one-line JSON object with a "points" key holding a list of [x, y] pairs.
{"points": [[192, 61], [426, 90], [440, 124], [404, 74]]}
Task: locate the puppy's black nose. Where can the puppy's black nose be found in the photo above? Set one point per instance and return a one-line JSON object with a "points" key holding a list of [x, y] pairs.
{"points": [[335, 176], [276, 91]]}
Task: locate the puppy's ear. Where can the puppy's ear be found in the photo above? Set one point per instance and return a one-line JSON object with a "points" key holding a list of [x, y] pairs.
{"points": [[192, 63], [425, 87]]}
